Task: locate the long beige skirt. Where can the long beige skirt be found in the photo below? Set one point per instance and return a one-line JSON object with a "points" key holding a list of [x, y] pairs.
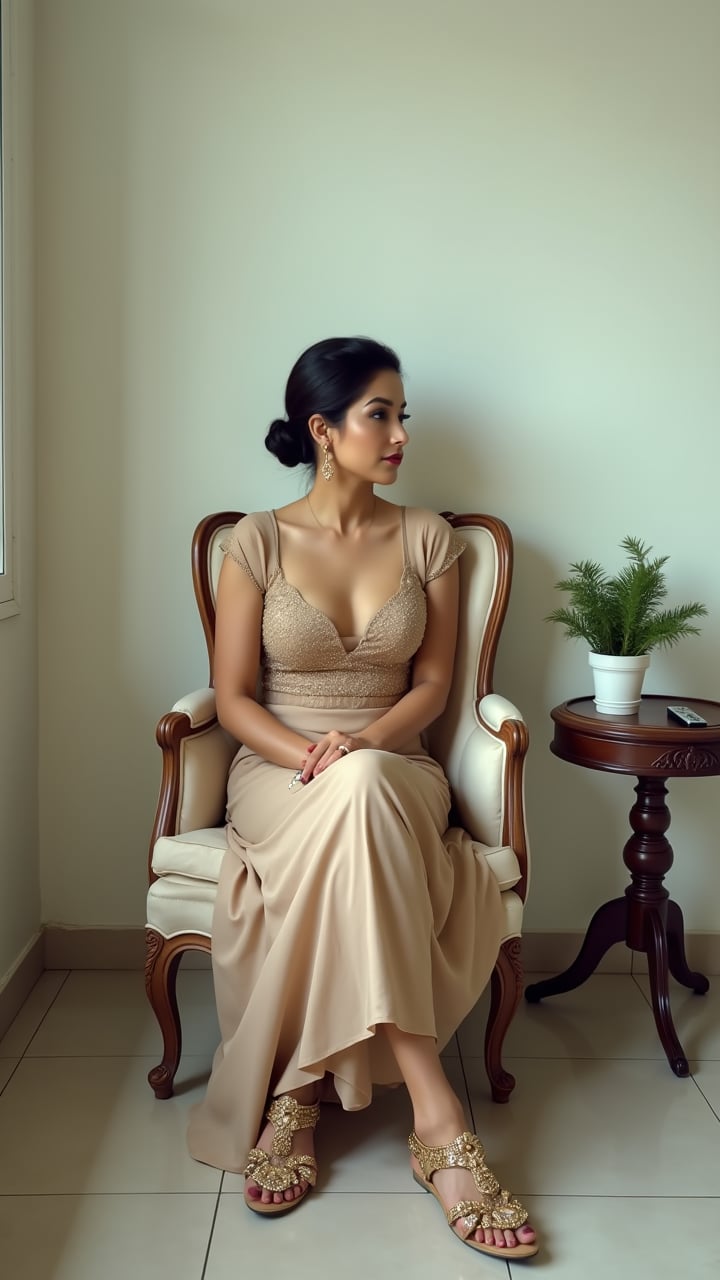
{"points": [[342, 905]]}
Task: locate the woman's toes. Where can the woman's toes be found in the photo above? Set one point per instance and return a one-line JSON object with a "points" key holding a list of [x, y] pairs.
{"points": [[499, 1239], [253, 1191], [510, 1239], [289, 1193], [526, 1234]]}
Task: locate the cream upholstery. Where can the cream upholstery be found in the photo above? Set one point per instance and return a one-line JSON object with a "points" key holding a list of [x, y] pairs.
{"points": [[480, 740]]}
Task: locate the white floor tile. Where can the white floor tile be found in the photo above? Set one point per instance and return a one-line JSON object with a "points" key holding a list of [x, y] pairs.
{"points": [[352, 1236], [707, 1078], [631, 1238], [107, 1013], [696, 1018], [607, 1017], [23, 1028], [367, 1150], [600, 1140], [584, 1127], [7, 1066], [82, 1237], [74, 1125]]}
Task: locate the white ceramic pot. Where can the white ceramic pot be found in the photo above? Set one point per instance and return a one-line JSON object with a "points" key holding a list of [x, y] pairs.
{"points": [[618, 682]]}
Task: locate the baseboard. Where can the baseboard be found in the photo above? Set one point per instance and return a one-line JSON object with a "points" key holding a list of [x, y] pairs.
{"points": [[549, 952], [20, 981], [554, 952], [78, 948]]}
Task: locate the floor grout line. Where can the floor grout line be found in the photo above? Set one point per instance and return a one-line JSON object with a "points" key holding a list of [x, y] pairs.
{"points": [[206, 1259]]}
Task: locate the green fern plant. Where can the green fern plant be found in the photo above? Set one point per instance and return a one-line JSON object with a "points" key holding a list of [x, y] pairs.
{"points": [[621, 614]]}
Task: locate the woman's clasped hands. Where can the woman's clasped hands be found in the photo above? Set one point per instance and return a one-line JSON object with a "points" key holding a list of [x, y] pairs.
{"points": [[330, 748]]}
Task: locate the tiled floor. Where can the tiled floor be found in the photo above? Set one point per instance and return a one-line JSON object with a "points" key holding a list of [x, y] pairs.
{"points": [[618, 1160]]}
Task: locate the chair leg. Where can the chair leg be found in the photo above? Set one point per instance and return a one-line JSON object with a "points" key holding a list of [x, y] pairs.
{"points": [[506, 990], [162, 960]]}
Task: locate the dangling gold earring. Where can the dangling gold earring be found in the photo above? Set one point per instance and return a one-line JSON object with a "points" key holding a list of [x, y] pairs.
{"points": [[327, 468]]}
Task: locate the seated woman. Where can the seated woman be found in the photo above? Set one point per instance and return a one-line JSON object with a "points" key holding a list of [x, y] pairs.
{"points": [[352, 930]]}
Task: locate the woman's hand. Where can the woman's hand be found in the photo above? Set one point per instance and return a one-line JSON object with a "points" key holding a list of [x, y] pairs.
{"points": [[331, 748]]}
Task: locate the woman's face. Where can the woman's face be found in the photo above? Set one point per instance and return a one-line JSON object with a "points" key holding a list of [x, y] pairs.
{"points": [[371, 441]]}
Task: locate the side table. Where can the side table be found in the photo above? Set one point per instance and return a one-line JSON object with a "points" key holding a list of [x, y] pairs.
{"points": [[654, 748]]}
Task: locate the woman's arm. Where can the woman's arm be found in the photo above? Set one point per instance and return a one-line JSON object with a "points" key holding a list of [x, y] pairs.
{"points": [[238, 635], [432, 669], [431, 680]]}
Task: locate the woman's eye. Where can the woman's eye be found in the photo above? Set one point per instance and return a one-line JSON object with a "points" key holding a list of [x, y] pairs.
{"points": [[381, 415]]}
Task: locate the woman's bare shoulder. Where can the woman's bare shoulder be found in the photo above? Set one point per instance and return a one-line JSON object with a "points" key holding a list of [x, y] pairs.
{"points": [[294, 513]]}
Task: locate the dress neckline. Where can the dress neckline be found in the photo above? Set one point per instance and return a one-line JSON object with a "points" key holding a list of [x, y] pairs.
{"points": [[406, 569]]}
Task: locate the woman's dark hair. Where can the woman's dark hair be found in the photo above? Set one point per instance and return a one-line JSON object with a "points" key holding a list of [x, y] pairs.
{"points": [[326, 379]]}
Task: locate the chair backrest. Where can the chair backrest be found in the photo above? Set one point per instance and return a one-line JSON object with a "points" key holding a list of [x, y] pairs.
{"points": [[207, 558], [478, 776], [485, 577]]}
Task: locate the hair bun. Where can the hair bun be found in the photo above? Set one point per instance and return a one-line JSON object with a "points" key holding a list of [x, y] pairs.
{"points": [[285, 442]]}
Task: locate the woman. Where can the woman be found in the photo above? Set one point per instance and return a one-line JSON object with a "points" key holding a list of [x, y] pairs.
{"points": [[352, 931]]}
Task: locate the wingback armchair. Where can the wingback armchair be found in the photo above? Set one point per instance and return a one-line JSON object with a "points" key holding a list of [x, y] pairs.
{"points": [[480, 739]]}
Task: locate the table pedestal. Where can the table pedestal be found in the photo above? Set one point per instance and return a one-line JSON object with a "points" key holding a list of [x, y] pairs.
{"points": [[646, 919]]}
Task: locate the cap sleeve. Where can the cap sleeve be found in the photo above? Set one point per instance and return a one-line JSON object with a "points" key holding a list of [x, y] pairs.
{"points": [[251, 544], [434, 544]]}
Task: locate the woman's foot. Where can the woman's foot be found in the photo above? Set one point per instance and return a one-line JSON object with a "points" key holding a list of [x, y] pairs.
{"points": [[302, 1143], [456, 1184]]}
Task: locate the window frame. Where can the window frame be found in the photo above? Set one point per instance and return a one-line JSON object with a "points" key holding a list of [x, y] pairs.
{"points": [[9, 603]]}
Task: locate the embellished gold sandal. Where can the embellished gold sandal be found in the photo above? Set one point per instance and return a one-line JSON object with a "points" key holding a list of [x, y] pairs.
{"points": [[281, 1167], [495, 1208]]}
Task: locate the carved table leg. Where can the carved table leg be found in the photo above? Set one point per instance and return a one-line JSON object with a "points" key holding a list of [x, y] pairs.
{"points": [[657, 954], [677, 959], [655, 924], [605, 929]]}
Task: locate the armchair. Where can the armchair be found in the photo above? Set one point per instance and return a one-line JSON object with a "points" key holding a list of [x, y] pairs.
{"points": [[481, 741]]}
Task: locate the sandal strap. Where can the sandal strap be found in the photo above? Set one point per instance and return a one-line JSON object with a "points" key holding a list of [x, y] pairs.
{"points": [[502, 1213], [287, 1115], [278, 1174], [497, 1209], [465, 1152]]}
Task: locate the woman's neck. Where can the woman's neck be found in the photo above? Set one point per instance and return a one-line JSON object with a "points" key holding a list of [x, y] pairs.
{"points": [[345, 511]]}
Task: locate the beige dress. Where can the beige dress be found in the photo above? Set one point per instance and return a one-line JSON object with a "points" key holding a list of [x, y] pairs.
{"points": [[346, 903]]}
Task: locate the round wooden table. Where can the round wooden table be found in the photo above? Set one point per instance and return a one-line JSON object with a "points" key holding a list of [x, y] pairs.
{"points": [[654, 748]]}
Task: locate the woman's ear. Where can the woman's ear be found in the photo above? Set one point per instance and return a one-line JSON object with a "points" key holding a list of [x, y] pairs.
{"points": [[318, 429]]}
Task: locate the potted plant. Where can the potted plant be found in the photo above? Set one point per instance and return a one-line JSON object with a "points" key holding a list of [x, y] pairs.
{"points": [[621, 620]]}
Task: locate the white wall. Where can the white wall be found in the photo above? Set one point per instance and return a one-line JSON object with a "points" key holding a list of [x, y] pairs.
{"points": [[522, 197], [19, 878]]}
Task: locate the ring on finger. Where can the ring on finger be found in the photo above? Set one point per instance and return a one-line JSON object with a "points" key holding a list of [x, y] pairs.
{"points": [[344, 748]]}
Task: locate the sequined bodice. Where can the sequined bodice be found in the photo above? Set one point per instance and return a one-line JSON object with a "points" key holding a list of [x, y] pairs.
{"points": [[305, 660]]}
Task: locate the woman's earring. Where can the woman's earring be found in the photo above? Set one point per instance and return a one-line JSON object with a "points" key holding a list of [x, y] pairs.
{"points": [[327, 467]]}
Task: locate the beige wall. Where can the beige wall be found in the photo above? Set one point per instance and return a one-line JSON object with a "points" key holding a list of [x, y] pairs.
{"points": [[522, 197], [19, 879]]}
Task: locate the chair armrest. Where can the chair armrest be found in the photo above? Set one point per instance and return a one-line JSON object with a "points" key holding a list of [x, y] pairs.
{"points": [[494, 710], [487, 778], [199, 707], [197, 753]]}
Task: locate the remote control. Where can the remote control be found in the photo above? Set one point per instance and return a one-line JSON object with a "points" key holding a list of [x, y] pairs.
{"points": [[686, 716]]}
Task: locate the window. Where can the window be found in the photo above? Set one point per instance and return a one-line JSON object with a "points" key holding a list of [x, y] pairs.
{"points": [[7, 594]]}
